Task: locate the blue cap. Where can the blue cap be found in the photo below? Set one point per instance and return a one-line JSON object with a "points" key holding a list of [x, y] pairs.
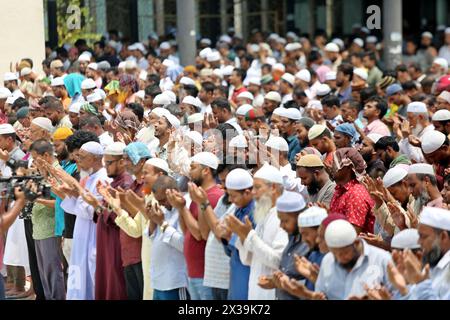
{"points": [[393, 89]]}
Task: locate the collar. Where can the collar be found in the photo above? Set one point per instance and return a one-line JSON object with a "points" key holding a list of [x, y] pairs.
{"points": [[291, 138], [445, 261], [366, 250], [348, 185]]}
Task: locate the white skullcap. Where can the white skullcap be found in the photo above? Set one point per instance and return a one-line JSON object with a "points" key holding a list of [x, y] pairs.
{"points": [[94, 97], [394, 175], [9, 76], [207, 159], [141, 94], [196, 137], [374, 137], [143, 75], [314, 104], [273, 36], [165, 45], [6, 128], [138, 46], [213, 56], [115, 149], [84, 57], [447, 30], [238, 179], [315, 131], [130, 64], [417, 107], [245, 95], [277, 143], [291, 34], [255, 80], [43, 123], [441, 115], [273, 96], [359, 42], [312, 217], [88, 84], [103, 65], [160, 112], [421, 168], [204, 53], [171, 95], [93, 148], [56, 82], [427, 34], [270, 174], [4, 93], [445, 95], [242, 110], [304, 75], [339, 42], [161, 99], [293, 46], [340, 234], [282, 40], [332, 47], [330, 76], [187, 81], [174, 122], [323, 89], [371, 39], [75, 107], [121, 65], [25, 71], [279, 66], [168, 63], [289, 78], [443, 63], [432, 141], [192, 101], [238, 142], [435, 217], [406, 239], [206, 41], [158, 163], [361, 72], [227, 71], [280, 111], [217, 72], [196, 117], [290, 202], [293, 114], [93, 66], [254, 48], [225, 38]]}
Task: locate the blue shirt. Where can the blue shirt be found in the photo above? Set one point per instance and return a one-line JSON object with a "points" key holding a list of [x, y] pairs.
{"points": [[294, 148], [239, 273], [69, 167], [345, 95]]}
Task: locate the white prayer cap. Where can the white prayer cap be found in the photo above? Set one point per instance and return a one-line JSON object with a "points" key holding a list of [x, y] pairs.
{"points": [[206, 41], [25, 71], [432, 141], [225, 38], [158, 163], [293, 114], [165, 45], [101, 92], [279, 66], [447, 30], [130, 65], [254, 48], [160, 111], [282, 40], [443, 63], [291, 34], [93, 66], [174, 122], [339, 42], [330, 76], [427, 34], [289, 78], [435, 217], [213, 56], [290, 202], [273, 96], [361, 72], [273, 36], [445, 95], [9, 76], [88, 84], [171, 95], [196, 137], [143, 75], [312, 217], [217, 72], [332, 47], [315, 131], [168, 63], [138, 46], [359, 42], [115, 149], [141, 94], [43, 123], [245, 95], [103, 65], [280, 111], [304, 75], [207, 159], [371, 39], [94, 97], [4, 93], [161, 100], [227, 71], [293, 46], [238, 142], [277, 143], [75, 107], [6, 128], [406, 239], [192, 101], [204, 53], [238, 179], [84, 57], [196, 117], [58, 81], [187, 81], [394, 175], [421, 168], [323, 89], [374, 137], [340, 234], [314, 104], [255, 80], [93, 147], [242, 110], [270, 174], [441, 115], [122, 65], [417, 107]]}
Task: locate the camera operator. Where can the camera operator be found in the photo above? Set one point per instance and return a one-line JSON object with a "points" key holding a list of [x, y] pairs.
{"points": [[9, 149]]}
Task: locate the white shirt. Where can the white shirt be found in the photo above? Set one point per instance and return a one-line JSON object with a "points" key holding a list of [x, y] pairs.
{"points": [[233, 122], [414, 153], [105, 139], [291, 182], [166, 84]]}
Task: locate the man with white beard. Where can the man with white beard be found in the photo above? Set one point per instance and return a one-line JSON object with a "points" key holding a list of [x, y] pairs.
{"points": [[262, 248]]}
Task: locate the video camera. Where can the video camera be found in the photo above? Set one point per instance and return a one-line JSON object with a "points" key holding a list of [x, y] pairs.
{"points": [[33, 186]]}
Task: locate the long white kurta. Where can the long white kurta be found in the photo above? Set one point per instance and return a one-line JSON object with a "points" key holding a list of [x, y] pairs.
{"points": [[81, 279]]}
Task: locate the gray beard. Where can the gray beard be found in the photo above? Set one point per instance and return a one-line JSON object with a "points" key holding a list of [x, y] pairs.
{"points": [[262, 208], [85, 174], [417, 130]]}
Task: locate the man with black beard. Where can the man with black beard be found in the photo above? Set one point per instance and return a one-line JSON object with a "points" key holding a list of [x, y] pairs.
{"points": [[375, 167], [388, 151], [303, 126], [311, 171]]}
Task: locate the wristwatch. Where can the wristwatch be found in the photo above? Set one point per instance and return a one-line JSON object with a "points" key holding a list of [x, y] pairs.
{"points": [[164, 226], [204, 205]]}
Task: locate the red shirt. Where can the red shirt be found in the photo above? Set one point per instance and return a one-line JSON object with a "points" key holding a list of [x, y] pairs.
{"points": [[194, 251], [354, 201], [237, 92]]}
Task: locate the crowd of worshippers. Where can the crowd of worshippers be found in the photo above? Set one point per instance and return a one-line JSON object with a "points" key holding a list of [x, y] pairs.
{"points": [[279, 169]]}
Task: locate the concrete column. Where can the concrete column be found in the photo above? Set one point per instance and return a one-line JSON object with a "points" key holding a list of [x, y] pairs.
{"points": [[264, 15], [238, 28], [186, 31], [441, 12], [223, 16], [160, 26], [329, 17], [351, 14], [100, 17], [392, 32], [312, 17], [146, 18]]}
